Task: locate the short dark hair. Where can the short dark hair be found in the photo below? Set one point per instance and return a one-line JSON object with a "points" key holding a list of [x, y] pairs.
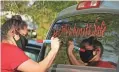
{"points": [[17, 17], [94, 42], [22, 24], [7, 26]]}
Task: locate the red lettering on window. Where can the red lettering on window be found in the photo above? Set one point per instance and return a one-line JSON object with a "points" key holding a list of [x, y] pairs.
{"points": [[89, 30]]}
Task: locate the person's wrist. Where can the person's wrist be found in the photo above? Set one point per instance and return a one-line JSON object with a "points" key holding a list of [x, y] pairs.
{"points": [[70, 52], [54, 50], [70, 47]]}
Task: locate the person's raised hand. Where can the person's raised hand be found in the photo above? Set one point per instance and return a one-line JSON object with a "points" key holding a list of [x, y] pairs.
{"points": [[71, 42], [71, 45], [55, 44]]}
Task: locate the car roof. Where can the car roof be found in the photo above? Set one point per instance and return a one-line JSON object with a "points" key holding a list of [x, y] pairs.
{"points": [[105, 7]]}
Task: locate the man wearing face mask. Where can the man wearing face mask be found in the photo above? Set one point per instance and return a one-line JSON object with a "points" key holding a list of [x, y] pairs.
{"points": [[90, 52]]}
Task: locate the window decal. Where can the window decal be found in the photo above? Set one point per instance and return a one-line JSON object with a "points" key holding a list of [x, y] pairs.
{"points": [[95, 29]]}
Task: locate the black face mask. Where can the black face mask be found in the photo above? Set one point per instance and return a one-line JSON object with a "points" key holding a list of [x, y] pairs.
{"points": [[22, 42], [86, 55]]}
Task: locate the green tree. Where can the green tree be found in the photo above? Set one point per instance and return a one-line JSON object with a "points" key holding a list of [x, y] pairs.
{"points": [[42, 12]]}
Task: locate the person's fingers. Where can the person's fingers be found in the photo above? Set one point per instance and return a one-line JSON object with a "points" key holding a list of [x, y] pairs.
{"points": [[71, 42], [52, 38], [56, 39], [55, 43]]}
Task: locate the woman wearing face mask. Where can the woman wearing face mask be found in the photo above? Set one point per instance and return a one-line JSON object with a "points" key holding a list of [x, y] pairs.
{"points": [[21, 32], [20, 36], [14, 59], [90, 54]]}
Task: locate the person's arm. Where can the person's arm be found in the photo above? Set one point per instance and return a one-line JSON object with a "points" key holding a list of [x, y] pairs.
{"points": [[71, 55], [31, 66]]}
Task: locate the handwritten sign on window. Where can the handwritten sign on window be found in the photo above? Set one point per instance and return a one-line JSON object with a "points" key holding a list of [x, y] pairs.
{"points": [[96, 30]]}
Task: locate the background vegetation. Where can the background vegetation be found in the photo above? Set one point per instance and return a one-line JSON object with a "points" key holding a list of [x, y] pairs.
{"points": [[43, 13]]}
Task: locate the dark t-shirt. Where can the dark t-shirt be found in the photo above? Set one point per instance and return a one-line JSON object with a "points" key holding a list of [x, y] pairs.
{"points": [[11, 57]]}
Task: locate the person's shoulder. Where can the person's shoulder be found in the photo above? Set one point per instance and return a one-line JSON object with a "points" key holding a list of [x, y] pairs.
{"points": [[7, 46], [12, 50]]}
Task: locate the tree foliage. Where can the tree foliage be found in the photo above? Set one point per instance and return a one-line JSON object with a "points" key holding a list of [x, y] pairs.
{"points": [[43, 13]]}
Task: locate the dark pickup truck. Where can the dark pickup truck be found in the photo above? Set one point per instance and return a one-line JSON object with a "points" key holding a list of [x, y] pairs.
{"points": [[105, 14]]}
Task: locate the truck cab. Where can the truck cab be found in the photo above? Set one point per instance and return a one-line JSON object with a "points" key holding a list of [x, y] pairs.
{"points": [[88, 18]]}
